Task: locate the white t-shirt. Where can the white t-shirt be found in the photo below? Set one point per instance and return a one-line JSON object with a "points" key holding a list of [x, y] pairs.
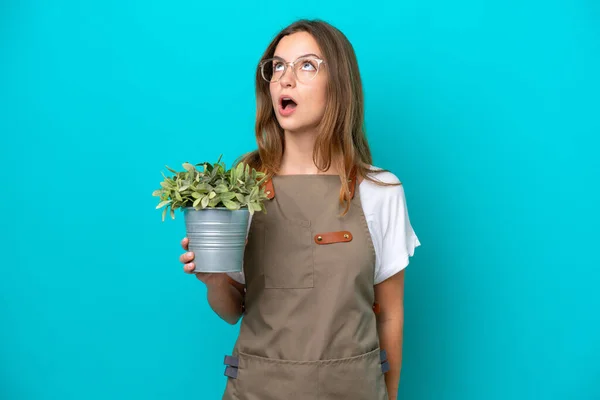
{"points": [[389, 225]]}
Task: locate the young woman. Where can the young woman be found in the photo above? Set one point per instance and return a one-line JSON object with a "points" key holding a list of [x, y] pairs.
{"points": [[321, 292]]}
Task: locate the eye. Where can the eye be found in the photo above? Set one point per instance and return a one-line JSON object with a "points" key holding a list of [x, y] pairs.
{"points": [[309, 65], [278, 66]]}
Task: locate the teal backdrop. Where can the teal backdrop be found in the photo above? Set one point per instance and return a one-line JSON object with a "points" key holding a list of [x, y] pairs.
{"points": [[488, 112]]}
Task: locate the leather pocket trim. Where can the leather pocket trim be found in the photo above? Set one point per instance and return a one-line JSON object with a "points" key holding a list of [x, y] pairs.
{"points": [[333, 237]]}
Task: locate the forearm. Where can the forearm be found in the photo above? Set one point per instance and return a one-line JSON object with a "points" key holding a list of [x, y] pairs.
{"points": [[225, 300], [390, 329]]}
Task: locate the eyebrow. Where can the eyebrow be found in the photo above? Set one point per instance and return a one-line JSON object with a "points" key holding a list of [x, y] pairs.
{"points": [[303, 55]]}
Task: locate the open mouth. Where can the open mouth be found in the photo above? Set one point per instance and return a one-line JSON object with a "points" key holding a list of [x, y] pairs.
{"points": [[288, 104]]}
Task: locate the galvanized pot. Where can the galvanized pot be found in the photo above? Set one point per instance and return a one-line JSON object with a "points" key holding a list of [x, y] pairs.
{"points": [[217, 236]]}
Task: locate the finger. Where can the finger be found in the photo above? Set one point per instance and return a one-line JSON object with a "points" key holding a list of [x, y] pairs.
{"points": [[189, 268], [184, 243], [186, 257]]}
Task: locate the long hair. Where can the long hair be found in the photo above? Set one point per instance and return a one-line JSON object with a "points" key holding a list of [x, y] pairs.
{"points": [[341, 135]]}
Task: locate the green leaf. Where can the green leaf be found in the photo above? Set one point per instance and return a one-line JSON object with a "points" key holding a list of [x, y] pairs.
{"points": [[227, 196], [221, 188], [197, 202], [184, 187], [196, 195], [178, 196], [189, 167], [231, 205], [239, 170], [205, 201], [240, 197], [212, 195], [171, 169], [172, 214], [214, 202], [164, 213], [157, 192], [163, 203]]}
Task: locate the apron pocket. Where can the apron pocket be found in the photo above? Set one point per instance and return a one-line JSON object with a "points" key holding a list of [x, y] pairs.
{"points": [[261, 378], [353, 378], [290, 264]]}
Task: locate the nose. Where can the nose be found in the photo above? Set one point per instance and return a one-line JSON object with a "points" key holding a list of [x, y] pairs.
{"points": [[288, 79]]}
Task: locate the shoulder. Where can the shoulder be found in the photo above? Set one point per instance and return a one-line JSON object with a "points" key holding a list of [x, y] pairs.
{"points": [[381, 185]]}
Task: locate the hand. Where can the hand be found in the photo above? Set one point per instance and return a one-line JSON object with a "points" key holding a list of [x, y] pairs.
{"points": [[187, 259]]}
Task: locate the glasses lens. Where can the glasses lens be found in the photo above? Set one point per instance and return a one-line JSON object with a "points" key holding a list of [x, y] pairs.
{"points": [[306, 68], [272, 70]]}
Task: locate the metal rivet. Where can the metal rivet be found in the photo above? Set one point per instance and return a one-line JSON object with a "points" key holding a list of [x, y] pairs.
{"points": [[319, 238], [268, 192], [346, 236]]}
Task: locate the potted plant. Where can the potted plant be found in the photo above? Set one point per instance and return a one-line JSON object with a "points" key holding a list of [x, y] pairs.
{"points": [[217, 204]]}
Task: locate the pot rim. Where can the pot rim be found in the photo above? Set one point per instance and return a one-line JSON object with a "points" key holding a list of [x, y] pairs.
{"points": [[214, 208]]}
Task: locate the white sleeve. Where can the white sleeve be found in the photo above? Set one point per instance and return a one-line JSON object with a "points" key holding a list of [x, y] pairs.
{"points": [[398, 239]]}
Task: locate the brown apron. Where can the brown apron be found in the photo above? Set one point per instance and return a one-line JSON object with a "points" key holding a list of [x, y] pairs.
{"points": [[309, 330]]}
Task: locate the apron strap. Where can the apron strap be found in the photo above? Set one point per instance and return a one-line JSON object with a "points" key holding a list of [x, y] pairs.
{"points": [[376, 308], [385, 365], [232, 364], [269, 190], [232, 361]]}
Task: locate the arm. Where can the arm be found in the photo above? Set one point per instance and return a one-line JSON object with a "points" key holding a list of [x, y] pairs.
{"points": [[390, 324], [226, 297]]}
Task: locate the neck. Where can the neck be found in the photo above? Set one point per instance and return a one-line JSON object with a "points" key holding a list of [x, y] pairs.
{"points": [[298, 155]]}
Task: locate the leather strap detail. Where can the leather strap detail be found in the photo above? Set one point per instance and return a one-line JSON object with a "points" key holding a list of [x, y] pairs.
{"points": [[382, 356], [385, 367], [232, 361], [376, 308], [333, 237], [231, 372], [269, 190]]}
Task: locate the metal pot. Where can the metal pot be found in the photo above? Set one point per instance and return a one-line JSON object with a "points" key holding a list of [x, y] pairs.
{"points": [[217, 236]]}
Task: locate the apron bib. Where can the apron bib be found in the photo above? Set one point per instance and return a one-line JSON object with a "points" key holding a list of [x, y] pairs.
{"points": [[309, 330]]}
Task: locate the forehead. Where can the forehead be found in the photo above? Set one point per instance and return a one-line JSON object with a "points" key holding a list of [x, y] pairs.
{"points": [[295, 45]]}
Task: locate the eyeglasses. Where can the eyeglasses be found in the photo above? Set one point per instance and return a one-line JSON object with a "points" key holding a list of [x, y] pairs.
{"points": [[305, 68]]}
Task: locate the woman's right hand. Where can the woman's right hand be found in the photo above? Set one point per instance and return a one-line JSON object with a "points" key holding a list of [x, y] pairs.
{"points": [[187, 259]]}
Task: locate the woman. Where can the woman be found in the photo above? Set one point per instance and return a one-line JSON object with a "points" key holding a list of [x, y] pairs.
{"points": [[321, 292]]}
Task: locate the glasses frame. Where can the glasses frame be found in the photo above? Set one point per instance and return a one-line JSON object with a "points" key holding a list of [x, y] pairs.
{"points": [[292, 64]]}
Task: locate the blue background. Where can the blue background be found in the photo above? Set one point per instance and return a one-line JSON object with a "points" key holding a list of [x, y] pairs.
{"points": [[487, 110]]}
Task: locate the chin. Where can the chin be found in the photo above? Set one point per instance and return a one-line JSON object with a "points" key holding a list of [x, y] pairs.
{"points": [[288, 124]]}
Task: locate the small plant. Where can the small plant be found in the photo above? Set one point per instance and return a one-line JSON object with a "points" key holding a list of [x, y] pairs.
{"points": [[213, 187]]}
